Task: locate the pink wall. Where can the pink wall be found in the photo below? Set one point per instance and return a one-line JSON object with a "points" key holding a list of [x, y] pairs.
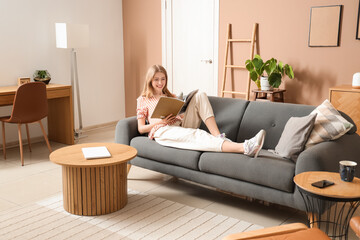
{"points": [[142, 45], [283, 34]]}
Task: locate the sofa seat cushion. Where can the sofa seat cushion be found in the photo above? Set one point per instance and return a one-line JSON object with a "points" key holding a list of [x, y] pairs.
{"points": [[152, 150], [267, 169]]}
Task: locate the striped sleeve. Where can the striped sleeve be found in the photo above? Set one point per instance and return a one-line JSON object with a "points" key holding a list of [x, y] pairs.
{"points": [[141, 108]]}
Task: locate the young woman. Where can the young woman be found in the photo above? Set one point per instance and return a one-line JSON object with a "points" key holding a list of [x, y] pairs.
{"points": [[183, 131]]}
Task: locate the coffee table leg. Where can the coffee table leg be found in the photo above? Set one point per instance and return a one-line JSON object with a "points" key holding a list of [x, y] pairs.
{"points": [[94, 190]]}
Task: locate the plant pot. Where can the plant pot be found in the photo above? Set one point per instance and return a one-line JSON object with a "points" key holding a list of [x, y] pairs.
{"points": [[44, 80], [265, 85]]}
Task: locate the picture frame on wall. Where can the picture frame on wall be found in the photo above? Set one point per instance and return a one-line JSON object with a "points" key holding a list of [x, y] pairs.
{"points": [[358, 24], [324, 29]]}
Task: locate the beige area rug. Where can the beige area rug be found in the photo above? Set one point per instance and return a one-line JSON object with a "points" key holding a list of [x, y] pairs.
{"points": [[144, 217]]}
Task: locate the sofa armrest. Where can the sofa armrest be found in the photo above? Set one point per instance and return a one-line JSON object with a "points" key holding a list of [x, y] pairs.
{"points": [[325, 156], [126, 129]]}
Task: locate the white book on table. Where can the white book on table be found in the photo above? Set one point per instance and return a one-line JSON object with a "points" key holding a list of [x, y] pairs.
{"points": [[96, 152]]}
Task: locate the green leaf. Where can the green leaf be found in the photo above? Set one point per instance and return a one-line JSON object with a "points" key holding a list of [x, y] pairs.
{"points": [[280, 68], [249, 65], [275, 80], [289, 71], [257, 56], [267, 69], [258, 63], [280, 65], [272, 66], [253, 75]]}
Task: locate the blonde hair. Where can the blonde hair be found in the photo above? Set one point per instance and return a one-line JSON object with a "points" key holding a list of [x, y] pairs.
{"points": [[148, 90]]}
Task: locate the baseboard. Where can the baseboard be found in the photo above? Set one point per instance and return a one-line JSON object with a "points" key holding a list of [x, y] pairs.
{"points": [[41, 138], [25, 142], [99, 126]]}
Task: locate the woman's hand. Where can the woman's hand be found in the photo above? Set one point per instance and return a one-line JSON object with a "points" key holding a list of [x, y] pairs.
{"points": [[145, 128], [166, 120]]}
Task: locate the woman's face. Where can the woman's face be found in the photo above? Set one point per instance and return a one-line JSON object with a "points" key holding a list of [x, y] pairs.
{"points": [[158, 82]]}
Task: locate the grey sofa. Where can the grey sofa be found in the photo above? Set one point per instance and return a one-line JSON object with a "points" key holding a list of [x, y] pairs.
{"points": [[268, 177]]}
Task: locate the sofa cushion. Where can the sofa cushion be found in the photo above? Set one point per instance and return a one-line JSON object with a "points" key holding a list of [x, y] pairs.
{"points": [[267, 169], [228, 114], [329, 124], [294, 136], [269, 116], [152, 150]]}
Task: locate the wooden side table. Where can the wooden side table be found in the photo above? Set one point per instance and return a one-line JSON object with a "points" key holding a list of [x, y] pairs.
{"points": [[96, 186], [347, 99], [275, 95], [329, 208]]}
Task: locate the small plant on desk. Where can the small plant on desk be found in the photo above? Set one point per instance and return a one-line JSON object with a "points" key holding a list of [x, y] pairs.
{"points": [[275, 70], [42, 76]]}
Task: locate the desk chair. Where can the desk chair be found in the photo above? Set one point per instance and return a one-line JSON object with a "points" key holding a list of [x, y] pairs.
{"points": [[293, 231], [30, 105]]}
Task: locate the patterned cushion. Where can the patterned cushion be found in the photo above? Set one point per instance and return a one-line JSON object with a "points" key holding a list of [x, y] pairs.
{"points": [[329, 124]]}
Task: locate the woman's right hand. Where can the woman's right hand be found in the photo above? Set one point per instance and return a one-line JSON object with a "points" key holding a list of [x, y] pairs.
{"points": [[145, 128], [166, 120]]}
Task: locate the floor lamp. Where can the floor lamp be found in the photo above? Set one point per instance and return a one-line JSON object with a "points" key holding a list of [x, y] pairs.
{"points": [[73, 36]]}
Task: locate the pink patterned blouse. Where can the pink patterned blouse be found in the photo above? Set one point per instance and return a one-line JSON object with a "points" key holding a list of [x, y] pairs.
{"points": [[145, 108]]}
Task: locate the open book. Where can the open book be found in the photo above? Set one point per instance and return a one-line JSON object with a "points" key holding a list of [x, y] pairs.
{"points": [[174, 106]]}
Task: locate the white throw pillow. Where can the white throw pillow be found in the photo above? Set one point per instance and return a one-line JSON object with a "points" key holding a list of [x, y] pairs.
{"points": [[329, 124]]}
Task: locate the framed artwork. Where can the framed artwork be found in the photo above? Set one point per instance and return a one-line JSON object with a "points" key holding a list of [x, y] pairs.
{"points": [[23, 80], [325, 26], [358, 24]]}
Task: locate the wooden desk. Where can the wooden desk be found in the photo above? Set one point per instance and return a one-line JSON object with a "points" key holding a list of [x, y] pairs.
{"points": [[61, 113], [347, 99]]}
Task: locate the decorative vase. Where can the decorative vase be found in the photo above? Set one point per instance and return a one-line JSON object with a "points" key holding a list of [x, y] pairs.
{"points": [[264, 81], [356, 80]]}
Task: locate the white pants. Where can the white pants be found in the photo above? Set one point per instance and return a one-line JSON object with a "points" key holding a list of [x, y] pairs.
{"points": [[188, 136]]}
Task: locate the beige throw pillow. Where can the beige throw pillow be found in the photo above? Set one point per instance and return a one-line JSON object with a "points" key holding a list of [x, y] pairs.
{"points": [[329, 124], [294, 136]]}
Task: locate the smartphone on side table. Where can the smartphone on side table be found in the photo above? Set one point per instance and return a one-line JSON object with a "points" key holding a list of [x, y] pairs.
{"points": [[322, 184]]}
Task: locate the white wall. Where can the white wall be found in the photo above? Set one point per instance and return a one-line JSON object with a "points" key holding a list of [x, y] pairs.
{"points": [[27, 43]]}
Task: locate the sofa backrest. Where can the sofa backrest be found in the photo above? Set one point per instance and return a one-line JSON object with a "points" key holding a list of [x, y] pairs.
{"points": [[228, 114], [269, 116], [241, 119]]}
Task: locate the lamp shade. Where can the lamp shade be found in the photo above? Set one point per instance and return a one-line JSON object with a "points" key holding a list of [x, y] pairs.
{"points": [[72, 35]]}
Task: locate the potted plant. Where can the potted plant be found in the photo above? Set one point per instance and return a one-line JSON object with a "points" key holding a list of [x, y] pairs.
{"points": [[42, 76], [275, 71]]}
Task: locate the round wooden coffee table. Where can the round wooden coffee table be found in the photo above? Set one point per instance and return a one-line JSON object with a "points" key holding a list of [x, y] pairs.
{"points": [[332, 207], [96, 186]]}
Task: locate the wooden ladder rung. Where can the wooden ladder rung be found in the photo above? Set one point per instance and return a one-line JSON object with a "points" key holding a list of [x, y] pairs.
{"points": [[228, 48], [232, 92], [239, 40], [235, 66]]}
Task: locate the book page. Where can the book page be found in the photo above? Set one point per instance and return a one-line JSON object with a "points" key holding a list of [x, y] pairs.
{"points": [[187, 100]]}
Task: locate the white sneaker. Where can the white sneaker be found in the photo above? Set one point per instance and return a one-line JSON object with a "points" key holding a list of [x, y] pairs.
{"points": [[253, 146]]}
